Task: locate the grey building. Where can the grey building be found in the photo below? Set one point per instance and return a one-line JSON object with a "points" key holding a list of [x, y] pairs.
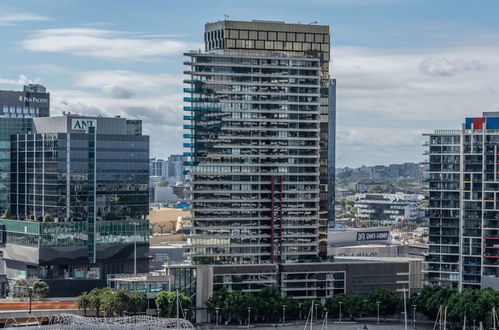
{"points": [[79, 198], [257, 140], [463, 208], [387, 208]]}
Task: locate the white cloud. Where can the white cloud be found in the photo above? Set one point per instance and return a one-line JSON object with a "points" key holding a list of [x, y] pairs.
{"points": [[19, 18], [442, 66], [20, 81], [127, 79], [106, 44], [385, 101]]}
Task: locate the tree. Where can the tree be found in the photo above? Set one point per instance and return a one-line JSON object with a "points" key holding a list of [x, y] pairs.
{"points": [[83, 301], [306, 306], [22, 286], [97, 298], [138, 302], [116, 302], [47, 218], [388, 302], [354, 306], [431, 298], [270, 303], [217, 300], [332, 304], [40, 289], [167, 303]]}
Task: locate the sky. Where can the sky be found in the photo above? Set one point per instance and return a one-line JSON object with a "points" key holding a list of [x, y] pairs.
{"points": [[403, 67]]}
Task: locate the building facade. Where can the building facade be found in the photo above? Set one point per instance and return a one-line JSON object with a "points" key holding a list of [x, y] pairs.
{"points": [[254, 138], [309, 40], [16, 110], [79, 194], [463, 208], [388, 208]]}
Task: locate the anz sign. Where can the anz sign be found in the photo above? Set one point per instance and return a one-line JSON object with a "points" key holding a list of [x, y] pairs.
{"points": [[83, 124]]}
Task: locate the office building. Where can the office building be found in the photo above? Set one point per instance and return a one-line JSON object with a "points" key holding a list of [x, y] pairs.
{"points": [[387, 208], [463, 210], [257, 140], [79, 197], [16, 110]]}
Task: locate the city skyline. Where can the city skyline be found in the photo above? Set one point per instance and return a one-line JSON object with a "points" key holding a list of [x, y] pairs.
{"points": [[403, 67]]}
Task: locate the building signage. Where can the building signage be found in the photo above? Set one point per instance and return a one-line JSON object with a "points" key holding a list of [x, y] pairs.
{"points": [[33, 99], [83, 124], [372, 236]]}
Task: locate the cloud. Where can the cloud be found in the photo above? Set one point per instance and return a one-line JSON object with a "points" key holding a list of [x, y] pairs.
{"points": [[444, 67], [127, 79], [13, 19], [20, 81], [104, 44], [385, 102]]}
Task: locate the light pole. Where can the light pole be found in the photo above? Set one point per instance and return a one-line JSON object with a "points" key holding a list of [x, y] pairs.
{"points": [[377, 305], [299, 307], [341, 303], [186, 310], [283, 314], [216, 312], [316, 313], [249, 316], [414, 315]]}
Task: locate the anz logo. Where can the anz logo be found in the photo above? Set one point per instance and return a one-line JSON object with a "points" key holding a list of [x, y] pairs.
{"points": [[83, 124]]}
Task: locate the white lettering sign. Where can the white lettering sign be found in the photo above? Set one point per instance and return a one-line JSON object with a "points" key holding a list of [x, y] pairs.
{"points": [[35, 100], [83, 124]]}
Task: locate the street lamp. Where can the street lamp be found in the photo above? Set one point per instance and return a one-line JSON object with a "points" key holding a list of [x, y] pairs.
{"points": [[377, 304], [299, 307], [283, 314], [249, 316], [341, 303], [414, 315], [316, 313], [216, 319], [186, 310]]}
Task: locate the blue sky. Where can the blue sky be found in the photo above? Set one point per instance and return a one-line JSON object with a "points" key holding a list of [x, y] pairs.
{"points": [[403, 67]]}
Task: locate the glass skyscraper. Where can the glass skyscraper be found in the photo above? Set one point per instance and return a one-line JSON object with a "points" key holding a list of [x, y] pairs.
{"points": [[16, 110], [256, 129]]}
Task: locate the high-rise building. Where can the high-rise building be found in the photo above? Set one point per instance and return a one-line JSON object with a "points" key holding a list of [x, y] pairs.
{"points": [[16, 110], [79, 199], [257, 130], [463, 210]]}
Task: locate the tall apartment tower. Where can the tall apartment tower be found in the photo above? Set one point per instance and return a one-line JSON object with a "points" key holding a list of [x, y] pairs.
{"points": [[463, 209], [257, 130]]}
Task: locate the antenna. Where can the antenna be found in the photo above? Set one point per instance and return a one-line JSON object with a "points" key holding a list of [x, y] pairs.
{"points": [[314, 22], [225, 17]]}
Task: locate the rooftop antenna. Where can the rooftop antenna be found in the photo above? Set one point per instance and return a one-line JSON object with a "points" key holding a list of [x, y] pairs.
{"points": [[314, 22], [225, 17]]}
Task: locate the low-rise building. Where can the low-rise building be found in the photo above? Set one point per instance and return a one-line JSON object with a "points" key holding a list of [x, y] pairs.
{"points": [[388, 208]]}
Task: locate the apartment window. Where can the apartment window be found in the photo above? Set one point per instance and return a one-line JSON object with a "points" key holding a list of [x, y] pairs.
{"points": [[231, 43], [310, 37], [291, 37], [253, 35], [300, 37], [319, 38], [243, 34], [262, 35], [233, 34], [297, 46], [281, 36], [259, 44], [269, 44], [272, 35]]}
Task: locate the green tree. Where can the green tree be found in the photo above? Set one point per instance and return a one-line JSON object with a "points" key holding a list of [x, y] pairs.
{"points": [[167, 303], [388, 302], [116, 302], [270, 303], [83, 302], [354, 306], [217, 300], [138, 302], [431, 298], [97, 298], [21, 288], [40, 289], [307, 305]]}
